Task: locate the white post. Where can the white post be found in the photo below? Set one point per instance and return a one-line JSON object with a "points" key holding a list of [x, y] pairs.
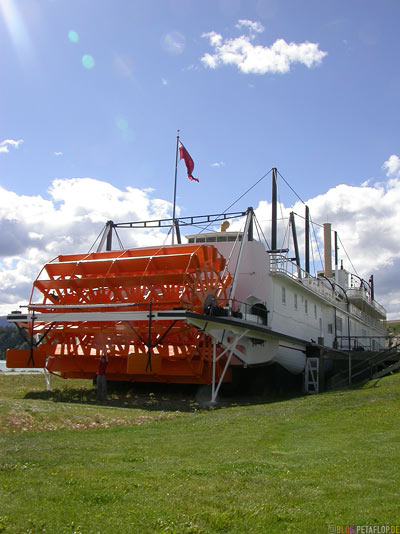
{"points": [[238, 262], [214, 361], [46, 375]]}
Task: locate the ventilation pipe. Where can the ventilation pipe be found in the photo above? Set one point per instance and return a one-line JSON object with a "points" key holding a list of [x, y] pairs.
{"points": [[327, 251], [371, 283], [336, 256]]}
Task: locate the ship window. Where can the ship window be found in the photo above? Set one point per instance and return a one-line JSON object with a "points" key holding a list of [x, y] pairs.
{"points": [[306, 305], [330, 328], [295, 301], [211, 239], [191, 239], [315, 311], [339, 324], [201, 240], [221, 238], [283, 295]]}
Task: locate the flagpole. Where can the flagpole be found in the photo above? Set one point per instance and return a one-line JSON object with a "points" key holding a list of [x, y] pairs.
{"points": [[176, 172]]}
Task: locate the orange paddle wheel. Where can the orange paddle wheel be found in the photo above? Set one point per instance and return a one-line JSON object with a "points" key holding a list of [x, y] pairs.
{"points": [[123, 302]]}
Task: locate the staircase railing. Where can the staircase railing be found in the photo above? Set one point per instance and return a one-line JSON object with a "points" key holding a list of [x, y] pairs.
{"points": [[388, 359]]}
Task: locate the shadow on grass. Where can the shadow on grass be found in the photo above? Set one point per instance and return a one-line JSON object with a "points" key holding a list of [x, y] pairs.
{"points": [[121, 396], [365, 383], [156, 397]]}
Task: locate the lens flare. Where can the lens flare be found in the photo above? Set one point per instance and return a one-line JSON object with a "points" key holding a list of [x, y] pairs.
{"points": [[127, 132], [10, 13], [122, 124], [73, 36], [87, 61]]}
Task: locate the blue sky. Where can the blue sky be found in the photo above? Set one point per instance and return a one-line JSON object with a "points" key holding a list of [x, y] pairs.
{"points": [[309, 87]]}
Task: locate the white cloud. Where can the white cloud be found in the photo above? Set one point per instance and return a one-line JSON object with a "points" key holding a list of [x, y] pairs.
{"points": [[190, 67], [173, 42], [7, 143], [214, 38], [68, 221], [58, 153], [164, 81], [257, 59], [218, 164], [366, 219], [366, 182], [255, 27], [392, 166], [210, 61]]}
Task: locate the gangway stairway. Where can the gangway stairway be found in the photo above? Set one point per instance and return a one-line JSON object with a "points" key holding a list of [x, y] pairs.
{"points": [[369, 366]]}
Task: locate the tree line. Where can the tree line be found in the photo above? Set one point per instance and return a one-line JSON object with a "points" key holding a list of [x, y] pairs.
{"points": [[10, 339]]}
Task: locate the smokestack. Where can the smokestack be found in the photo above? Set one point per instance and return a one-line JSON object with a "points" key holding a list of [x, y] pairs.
{"points": [[327, 251]]}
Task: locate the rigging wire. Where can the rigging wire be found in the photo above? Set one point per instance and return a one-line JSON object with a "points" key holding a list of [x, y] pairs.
{"points": [[245, 193], [302, 217], [348, 257], [257, 224], [317, 244], [286, 235], [231, 252], [282, 218], [239, 198], [258, 233], [290, 187], [312, 249], [166, 237], [262, 233], [95, 241], [340, 241], [119, 240], [278, 219]]}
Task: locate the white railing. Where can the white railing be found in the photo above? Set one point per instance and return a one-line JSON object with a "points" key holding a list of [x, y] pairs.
{"points": [[362, 294], [282, 265]]}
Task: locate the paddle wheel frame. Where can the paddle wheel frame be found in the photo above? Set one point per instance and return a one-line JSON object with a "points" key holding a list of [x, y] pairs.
{"points": [[123, 302]]}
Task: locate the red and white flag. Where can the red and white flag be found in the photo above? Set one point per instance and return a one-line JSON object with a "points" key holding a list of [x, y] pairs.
{"points": [[184, 154]]}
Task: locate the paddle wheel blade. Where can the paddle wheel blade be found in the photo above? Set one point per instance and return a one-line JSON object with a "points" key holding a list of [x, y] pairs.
{"points": [[83, 304]]}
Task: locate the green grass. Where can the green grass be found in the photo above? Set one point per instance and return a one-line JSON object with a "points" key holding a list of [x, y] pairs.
{"points": [[156, 463]]}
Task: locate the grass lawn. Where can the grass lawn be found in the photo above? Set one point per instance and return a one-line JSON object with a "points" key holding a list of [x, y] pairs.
{"points": [[152, 463]]}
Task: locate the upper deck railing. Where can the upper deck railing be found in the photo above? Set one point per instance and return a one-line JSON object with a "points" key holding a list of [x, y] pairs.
{"points": [[362, 295], [282, 265]]}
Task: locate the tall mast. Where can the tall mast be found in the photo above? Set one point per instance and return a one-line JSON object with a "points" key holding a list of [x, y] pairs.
{"points": [[274, 210], [176, 173], [307, 241], [295, 243]]}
